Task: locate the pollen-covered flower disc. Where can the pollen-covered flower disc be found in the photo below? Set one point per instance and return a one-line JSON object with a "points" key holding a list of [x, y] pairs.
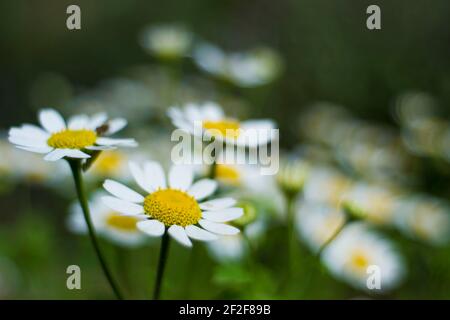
{"points": [[175, 206], [81, 135]]}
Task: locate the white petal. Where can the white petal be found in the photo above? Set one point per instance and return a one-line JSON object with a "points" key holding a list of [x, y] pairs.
{"points": [[74, 153], [51, 120], [179, 234], [29, 131], [78, 122], [181, 177], [262, 124], [212, 111], [203, 188], [123, 206], [57, 154], [116, 125], [101, 148], [116, 142], [27, 142], [197, 233], [223, 215], [219, 228], [97, 120], [153, 228], [154, 175], [122, 192], [36, 149], [218, 204], [139, 177]]}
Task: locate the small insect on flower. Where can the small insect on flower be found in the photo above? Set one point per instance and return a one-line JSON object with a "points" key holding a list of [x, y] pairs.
{"points": [[81, 136], [208, 119], [111, 225], [175, 206]]}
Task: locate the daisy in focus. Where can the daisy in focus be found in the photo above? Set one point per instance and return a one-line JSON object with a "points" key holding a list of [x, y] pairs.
{"points": [[117, 228], [357, 248], [174, 206], [208, 119], [77, 139]]}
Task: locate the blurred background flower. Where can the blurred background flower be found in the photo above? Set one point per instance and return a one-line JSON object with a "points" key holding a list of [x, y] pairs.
{"points": [[364, 129]]}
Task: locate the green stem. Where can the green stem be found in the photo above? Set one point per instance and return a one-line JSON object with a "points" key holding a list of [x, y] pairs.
{"points": [[290, 232], [333, 236], [75, 166], [122, 258], [161, 265]]}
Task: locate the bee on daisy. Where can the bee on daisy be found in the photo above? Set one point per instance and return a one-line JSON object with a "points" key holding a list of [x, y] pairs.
{"points": [[209, 120], [77, 138]]}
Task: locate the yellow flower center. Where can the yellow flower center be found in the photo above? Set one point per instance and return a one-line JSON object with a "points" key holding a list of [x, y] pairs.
{"points": [[122, 223], [108, 163], [228, 128], [72, 139], [359, 261], [171, 206], [227, 174]]}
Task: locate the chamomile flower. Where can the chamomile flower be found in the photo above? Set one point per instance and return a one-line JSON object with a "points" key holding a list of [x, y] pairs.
{"points": [[327, 186], [118, 228], [424, 218], [77, 139], [292, 176], [227, 248], [111, 163], [355, 249], [371, 202], [174, 206], [317, 223], [208, 119], [167, 41], [245, 69]]}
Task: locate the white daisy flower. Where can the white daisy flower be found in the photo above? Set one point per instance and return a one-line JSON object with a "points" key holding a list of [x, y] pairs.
{"points": [[373, 203], [355, 249], [174, 206], [208, 119], [167, 41], [77, 139], [292, 176], [245, 69], [111, 163], [424, 218], [118, 228], [227, 248], [326, 185], [318, 223]]}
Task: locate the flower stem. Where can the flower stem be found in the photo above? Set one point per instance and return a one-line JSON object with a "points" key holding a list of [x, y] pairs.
{"points": [[75, 166], [333, 236], [161, 265]]}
